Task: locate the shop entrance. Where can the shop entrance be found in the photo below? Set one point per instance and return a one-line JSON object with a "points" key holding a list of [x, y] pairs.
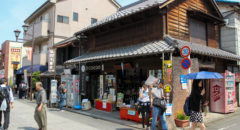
{"points": [[93, 88]]}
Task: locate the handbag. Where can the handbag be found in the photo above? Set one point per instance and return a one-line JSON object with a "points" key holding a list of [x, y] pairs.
{"points": [[158, 102]]}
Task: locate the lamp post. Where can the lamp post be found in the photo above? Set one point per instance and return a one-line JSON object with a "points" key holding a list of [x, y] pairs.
{"points": [[17, 32]]}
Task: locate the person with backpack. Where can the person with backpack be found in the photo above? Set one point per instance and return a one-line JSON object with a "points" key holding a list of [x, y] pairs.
{"points": [[195, 104], [6, 101], [158, 110], [144, 101], [62, 95]]}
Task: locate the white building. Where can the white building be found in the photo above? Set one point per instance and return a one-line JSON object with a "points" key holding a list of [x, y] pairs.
{"points": [[230, 33], [57, 20]]}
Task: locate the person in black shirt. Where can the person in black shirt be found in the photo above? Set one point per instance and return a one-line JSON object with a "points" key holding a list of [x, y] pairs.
{"points": [[195, 104]]}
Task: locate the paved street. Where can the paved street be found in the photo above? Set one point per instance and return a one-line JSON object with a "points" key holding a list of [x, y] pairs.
{"points": [[230, 123], [22, 119]]}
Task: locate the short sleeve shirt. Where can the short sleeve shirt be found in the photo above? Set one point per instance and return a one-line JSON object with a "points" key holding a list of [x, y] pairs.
{"points": [[145, 97], [41, 97]]}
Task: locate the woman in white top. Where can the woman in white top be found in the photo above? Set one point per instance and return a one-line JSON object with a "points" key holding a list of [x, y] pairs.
{"points": [[144, 99]]}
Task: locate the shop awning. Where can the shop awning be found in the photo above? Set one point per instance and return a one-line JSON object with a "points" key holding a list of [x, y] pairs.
{"points": [[201, 49], [58, 71], [144, 49], [36, 68]]}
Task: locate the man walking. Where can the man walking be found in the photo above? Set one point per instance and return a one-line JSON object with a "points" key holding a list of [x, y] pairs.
{"points": [[40, 112], [6, 101], [62, 94]]}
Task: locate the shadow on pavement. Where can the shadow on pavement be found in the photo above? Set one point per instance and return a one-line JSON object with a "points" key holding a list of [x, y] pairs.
{"points": [[124, 129], [27, 128]]}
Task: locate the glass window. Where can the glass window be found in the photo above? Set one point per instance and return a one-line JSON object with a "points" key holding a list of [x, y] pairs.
{"points": [[60, 19], [65, 19], [46, 17], [93, 20], [75, 16]]}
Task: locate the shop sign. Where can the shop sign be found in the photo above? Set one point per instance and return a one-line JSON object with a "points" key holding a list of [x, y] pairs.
{"points": [[216, 93], [167, 88], [25, 77], [183, 81], [186, 63], [131, 112], [167, 70], [51, 61], [185, 51], [76, 86], [169, 110], [83, 82], [104, 104], [15, 55], [101, 86], [53, 96]]}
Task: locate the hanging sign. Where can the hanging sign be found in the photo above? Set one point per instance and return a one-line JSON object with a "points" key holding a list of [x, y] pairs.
{"points": [[186, 63], [185, 51]]}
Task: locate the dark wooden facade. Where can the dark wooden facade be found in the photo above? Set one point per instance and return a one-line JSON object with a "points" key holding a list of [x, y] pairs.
{"points": [[155, 23], [179, 17]]}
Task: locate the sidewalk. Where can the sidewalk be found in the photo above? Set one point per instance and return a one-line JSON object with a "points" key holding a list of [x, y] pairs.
{"points": [[107, 116], [115, 118], [212, 117]]}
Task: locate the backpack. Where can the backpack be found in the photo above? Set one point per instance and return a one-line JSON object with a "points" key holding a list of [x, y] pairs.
{"points": [[186, 109]]}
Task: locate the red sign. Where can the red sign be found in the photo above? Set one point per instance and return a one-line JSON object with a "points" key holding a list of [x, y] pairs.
{"points": [[216, 93], [185, 51], [186, 63]]}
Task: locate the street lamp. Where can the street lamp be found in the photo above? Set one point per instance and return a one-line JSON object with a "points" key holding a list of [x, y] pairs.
{"points": [[17, 32]]}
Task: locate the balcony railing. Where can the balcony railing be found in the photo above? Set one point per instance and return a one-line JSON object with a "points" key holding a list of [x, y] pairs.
{"points": [[40, 31]]}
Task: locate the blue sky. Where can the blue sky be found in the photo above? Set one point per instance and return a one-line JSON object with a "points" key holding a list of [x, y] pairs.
{"points": [[14, 12]]}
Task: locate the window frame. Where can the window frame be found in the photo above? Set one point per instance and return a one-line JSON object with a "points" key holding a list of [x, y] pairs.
{"points": [[60, 19], [75, 16]]}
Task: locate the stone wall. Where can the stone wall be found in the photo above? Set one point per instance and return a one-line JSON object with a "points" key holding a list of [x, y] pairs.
{"points": [[179, 95]]}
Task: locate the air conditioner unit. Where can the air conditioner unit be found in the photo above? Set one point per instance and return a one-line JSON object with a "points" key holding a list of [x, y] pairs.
{"points": [[226, 21]]}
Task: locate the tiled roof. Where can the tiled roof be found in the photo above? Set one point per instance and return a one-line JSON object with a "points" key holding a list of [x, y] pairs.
{"points": [[65, 41], [148, 48], [141, 6], [201, 49]]}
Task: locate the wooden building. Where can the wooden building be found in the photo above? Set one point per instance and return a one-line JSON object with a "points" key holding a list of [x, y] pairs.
{"points": [[138, 39]]}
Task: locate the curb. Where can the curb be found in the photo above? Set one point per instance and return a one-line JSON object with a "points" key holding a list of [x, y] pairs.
{"points": [[226, 116], [100, 117]]}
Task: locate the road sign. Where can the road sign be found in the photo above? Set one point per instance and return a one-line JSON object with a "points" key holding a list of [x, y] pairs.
{"points": [[186, 63], [185, 51]]}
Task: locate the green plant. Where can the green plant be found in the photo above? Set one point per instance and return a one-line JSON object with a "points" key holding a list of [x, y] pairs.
{"points": [[36, 78], [182, 116]]}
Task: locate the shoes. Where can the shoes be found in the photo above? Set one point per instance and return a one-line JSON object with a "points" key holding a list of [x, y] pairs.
{"points": [[61, 111]]}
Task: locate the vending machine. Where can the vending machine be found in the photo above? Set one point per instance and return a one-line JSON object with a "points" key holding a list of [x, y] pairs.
{"points": [[72, 84], [222, 94]]}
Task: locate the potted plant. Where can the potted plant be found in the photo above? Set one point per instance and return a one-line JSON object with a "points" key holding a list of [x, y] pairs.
{"points": [[182, 120]]}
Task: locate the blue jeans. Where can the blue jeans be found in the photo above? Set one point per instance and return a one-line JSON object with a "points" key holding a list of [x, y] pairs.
{"points": [[61, 103], [156, 113]]}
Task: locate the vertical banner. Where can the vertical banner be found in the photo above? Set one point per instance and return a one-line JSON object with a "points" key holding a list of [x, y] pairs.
{"points": [[101, 86], [51, 61], [53, 96], [167, 77], [83, 82], [15, 55], [183, 81], [167, 71], [25, 78]]}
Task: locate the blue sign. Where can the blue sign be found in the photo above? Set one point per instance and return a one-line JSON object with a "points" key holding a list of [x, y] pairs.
{"points": [[183, 79], [169, 110], [130, 112], [186, 63]]}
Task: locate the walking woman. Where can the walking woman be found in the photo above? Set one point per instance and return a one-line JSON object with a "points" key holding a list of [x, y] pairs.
{"points": [[157, 93], [144, 100], [196, 101]]}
